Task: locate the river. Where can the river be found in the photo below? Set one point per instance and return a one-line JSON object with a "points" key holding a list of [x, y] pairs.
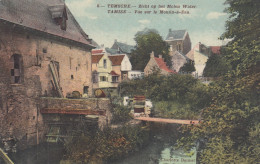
{"points": [[160, 150]]}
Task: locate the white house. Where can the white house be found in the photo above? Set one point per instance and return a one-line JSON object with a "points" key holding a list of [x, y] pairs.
{"points": [[135, 74]]}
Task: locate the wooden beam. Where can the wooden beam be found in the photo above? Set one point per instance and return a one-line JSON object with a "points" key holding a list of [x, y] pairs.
{"points": [[72, 111], [5, 157]]}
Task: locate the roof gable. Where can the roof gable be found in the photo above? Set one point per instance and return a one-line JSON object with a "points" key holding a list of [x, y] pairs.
{"points": [[116, 59], [176, 35], [96, 58], [40, 15], [162, 65]]}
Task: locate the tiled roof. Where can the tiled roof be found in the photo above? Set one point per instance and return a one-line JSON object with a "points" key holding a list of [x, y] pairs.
{"points": [[111, 51], [190, 54], [113, 73], [96, 58], [215, 49], [125, 48], [116, 59], [176, 35], [94, 51], [182, 55], [40, 14], [162, 65]]}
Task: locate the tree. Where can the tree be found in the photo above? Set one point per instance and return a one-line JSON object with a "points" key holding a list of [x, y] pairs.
{"points": [[215, 66], [188, 67], [147, 41], [230, 127]]}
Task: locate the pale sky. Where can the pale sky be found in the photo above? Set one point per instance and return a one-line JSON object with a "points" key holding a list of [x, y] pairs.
{"points": [[204, 24]]}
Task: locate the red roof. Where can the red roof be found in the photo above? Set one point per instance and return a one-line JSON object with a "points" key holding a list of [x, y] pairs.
{"points": [[215, 49], [96, 51], [113, 73], [96, 58], [116, 59], [162, 65]]}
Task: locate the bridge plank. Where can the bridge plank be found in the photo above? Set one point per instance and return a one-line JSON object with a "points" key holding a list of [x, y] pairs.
{"points": [[164, 120]]}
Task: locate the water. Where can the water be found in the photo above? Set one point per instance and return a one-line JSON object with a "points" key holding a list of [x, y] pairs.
{"points": [[159, 150]]}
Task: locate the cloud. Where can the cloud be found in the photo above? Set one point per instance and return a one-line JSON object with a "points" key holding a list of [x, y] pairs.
{"points": [[144, 21], [214, 15], [79, 8]]}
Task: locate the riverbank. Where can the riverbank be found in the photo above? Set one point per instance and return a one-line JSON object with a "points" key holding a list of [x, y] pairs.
{"points": [[150, 145]]}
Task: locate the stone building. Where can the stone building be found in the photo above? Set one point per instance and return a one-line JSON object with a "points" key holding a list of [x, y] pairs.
{"points": [[157, 64], [43, 52], [178, 40]]}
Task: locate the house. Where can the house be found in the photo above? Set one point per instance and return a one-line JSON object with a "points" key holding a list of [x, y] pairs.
{"points": [[135, 74], [157, 64], [101, 69], [120, 48], [43, 53], [200, 54], [121, 65], [178, 40], [178, 60]]}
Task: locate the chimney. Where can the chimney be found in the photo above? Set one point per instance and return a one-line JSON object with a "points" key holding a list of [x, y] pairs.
{"points": [[115, 40], [152, 54], [160, 56], [170, 30]]}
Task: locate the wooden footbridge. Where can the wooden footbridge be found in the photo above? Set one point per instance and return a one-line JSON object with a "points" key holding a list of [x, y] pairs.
{"points": [[164, 120]]}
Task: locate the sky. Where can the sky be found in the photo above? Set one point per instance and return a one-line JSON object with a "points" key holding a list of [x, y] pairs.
{"points": [[205, 23]]}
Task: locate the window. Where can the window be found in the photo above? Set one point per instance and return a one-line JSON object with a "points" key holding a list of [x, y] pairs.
{"points": [[95, 77], [114, 79], [105, 63], [103, 78], [178, 47], [170, 47], [16, 68], [85, 89]]}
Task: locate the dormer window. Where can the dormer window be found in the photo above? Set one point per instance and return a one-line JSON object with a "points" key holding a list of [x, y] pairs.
{"points": [[59, 15]]}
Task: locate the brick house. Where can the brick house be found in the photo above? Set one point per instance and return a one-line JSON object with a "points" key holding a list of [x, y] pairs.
{"points": [[179, 40], [155, 64], [43, 52]]}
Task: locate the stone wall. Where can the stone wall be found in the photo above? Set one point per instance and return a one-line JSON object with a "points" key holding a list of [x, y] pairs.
{"points": [[94, 104], [20, 118]]}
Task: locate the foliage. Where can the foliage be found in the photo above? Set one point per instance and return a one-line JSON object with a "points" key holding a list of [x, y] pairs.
{"points": [[188, 67], [147, 41], [230, 128], [183, 90], [168, 109], [120, 114], [215, 66], [107, 145]]}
